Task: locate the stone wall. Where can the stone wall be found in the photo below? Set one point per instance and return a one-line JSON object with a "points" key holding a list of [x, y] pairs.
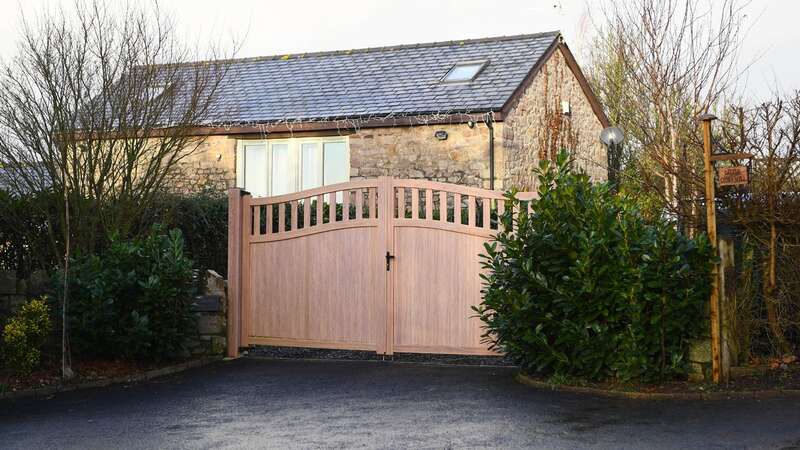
{"points": [[699, 359], [402, 151], [212, 166], [211, 308], [415, 152], [533, 114], [14, 292]]}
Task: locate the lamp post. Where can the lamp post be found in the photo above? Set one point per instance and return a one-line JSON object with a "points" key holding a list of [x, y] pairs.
{"points": [[612, 138]]}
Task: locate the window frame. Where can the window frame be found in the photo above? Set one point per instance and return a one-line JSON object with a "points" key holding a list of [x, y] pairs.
{"points": [[295, 155], [481, 63]]}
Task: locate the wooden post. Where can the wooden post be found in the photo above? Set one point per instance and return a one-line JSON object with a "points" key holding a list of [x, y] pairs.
{"points": [[711, 223], [727, 298], [234, 269], [386, 199]]}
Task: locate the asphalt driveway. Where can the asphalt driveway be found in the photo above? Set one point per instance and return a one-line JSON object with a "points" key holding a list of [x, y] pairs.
{"points": [[267, 403]]}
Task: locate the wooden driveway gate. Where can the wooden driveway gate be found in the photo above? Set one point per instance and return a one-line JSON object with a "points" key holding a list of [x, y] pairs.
{"points": [[386, 269]]}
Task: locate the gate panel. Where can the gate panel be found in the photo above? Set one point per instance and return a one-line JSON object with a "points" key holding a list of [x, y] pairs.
{"points": [[318, 289], [436, 284], [315, 278], [439, 231]]}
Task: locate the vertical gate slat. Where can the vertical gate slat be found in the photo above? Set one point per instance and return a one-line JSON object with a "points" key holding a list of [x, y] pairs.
{"points": [[372, 204], [514, 214], [443, 206], [257, 220], [487, 212], [359, 204], [415, 203], [471, 211], [401, 203], [428, 204], [293, 215], [281, 217], [306, 213], [346, 205], [457, 208], [332, 207], [501, 208], [269, 218], [320, 205]]}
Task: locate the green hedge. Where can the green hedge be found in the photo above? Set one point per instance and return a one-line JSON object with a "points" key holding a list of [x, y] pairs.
{"points": [[203, 221], [201, 217], [25, 233], [585, 286]]}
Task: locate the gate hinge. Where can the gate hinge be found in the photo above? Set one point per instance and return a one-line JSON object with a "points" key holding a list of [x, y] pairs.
{"points": [[389, 258]]}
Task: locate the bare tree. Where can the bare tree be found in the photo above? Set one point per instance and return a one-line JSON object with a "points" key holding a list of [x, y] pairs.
{"points": [[657, 65], [770, 209], [98, 107]]}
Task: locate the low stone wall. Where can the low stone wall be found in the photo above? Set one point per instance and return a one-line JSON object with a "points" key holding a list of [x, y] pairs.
{"points": [[13, 291], [211, 307], [700, 360]]}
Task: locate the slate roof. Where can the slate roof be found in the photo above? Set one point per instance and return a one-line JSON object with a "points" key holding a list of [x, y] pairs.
{"points": [[32, 173], [376, 82]]}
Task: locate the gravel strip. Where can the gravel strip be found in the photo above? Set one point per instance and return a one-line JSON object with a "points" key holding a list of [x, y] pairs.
{"points": [[356, 355]]}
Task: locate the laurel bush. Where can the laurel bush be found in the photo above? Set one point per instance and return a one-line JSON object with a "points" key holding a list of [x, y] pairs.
{"points": [[586, 286]]}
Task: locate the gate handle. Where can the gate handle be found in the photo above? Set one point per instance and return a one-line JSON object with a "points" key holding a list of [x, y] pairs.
{"points": [[389, 258]]}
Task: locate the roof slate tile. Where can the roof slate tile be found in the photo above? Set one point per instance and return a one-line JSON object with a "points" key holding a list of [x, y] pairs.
{"points": [[402, 80]]}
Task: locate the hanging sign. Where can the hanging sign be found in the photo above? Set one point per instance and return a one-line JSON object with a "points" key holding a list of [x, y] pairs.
{"points": [[732, 176]]}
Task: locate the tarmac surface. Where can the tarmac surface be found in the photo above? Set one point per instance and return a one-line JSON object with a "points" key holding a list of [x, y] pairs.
{"points": [[281, 403]]}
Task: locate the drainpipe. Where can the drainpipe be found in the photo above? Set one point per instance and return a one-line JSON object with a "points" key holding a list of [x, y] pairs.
{"points": [[490, 125]]}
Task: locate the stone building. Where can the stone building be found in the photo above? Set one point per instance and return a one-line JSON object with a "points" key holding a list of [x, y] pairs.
{"points": [[477, 112]]}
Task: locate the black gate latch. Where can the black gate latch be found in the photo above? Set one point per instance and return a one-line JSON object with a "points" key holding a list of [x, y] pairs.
{"points": [[389, 258]]}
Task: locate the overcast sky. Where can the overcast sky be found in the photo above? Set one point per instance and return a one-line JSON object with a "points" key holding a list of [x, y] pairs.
{"points": [[279, 27]]}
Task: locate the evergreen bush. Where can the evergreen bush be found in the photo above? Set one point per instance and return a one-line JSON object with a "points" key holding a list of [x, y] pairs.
{"points": [[586, 286], [135, 300]]}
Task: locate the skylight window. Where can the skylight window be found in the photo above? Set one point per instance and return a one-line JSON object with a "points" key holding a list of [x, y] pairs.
{"points": [[464, 72], [154, 91]]}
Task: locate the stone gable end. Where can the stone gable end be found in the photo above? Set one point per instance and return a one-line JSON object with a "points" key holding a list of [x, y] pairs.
{"points": [[526, 126]]}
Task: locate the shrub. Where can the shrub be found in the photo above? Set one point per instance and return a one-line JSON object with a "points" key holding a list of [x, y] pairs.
{"points": [[203, 221], [134, 300], [25, 334], [25, 232], [585, 286]]}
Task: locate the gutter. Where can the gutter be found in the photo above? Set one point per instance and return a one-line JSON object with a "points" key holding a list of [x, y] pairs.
{"points": [[489, 120]]}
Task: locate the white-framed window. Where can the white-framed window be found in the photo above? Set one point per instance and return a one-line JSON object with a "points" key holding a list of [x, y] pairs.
{"points": [[281, 166]]}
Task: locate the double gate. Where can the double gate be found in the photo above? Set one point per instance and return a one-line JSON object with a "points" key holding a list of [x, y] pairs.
{"points": [[385, 265]]}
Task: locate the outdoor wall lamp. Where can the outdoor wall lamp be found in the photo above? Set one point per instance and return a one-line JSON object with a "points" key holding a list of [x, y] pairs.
{"points": [[612, 138]]}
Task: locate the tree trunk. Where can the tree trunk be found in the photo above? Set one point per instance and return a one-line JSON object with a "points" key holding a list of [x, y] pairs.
{"points": [[769, 294]]}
